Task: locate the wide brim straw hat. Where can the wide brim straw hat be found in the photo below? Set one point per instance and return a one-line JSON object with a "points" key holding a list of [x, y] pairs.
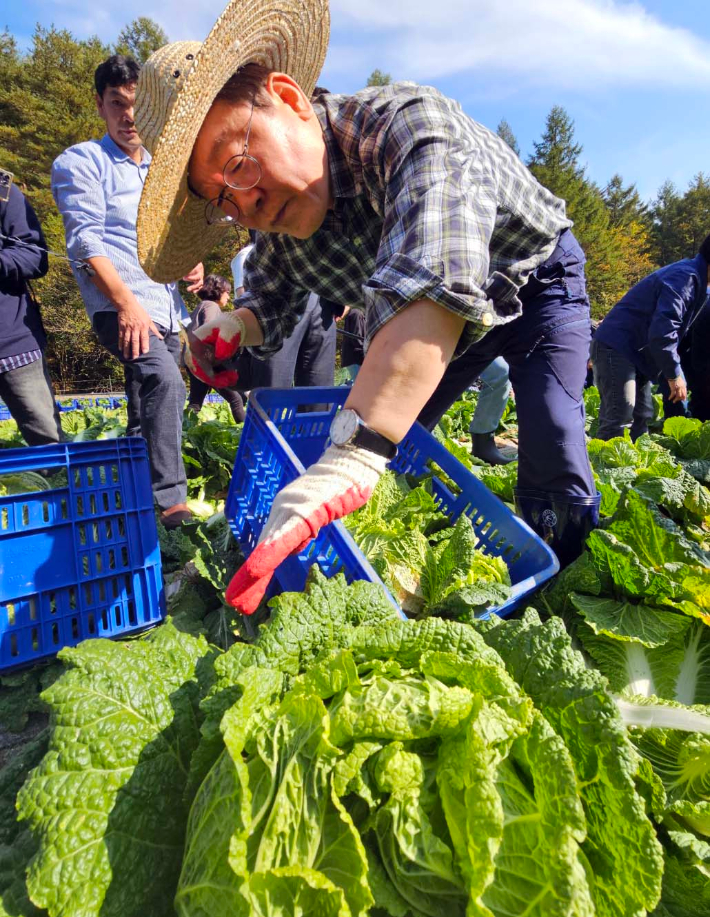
{"points": [[176, 89]]}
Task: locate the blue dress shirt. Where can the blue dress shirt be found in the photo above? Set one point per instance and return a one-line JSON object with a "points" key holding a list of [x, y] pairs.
{"points": [[97, 188]]}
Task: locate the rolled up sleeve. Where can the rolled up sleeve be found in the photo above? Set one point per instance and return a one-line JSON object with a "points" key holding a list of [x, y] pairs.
{"points": [[78, 193], [440, 206]]}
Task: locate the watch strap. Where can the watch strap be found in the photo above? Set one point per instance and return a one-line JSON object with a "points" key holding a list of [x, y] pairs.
{"points": [[373, 441]]}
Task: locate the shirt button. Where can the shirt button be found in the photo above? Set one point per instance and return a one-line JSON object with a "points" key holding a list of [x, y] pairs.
{"points": [[487, 319]]}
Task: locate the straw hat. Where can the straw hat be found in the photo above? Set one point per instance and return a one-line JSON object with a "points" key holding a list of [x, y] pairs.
{"points": [[176, 88]]}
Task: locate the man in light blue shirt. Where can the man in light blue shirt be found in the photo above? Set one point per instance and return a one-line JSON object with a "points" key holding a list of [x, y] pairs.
{"points": [[97, 186]]}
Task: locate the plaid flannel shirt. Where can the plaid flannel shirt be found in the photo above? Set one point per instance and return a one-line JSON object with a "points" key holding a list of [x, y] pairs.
{"points": [[428, 204]]}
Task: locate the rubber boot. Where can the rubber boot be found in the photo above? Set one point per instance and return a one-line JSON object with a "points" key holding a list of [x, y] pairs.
{"points": [[563, 522], [484, 447]]}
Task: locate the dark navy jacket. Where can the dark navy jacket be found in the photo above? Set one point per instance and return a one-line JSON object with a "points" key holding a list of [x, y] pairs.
{"points": [[651, 320], [20, 323]]}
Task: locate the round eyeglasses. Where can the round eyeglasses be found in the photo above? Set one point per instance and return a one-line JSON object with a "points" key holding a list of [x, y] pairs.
{"points": [[240, 173]]}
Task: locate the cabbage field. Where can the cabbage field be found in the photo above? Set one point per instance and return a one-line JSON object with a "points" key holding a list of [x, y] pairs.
{"points": [[326, 758]]}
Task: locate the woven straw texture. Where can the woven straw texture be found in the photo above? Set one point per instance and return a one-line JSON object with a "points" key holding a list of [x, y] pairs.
{"points": [[176, 88]]}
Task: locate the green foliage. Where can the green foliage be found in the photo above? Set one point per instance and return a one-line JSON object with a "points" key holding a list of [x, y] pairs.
{"points": [[140, 38], [505, 132], [379, 78], [429, 567]]}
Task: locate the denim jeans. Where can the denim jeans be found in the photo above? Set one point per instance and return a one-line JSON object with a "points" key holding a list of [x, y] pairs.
{"points": [[493, 397], [626, 402], [155, 376], [28, 393]]}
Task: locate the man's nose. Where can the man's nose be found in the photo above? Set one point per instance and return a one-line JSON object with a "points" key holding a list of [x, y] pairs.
{"points": [[128, 114], [250, 202]]}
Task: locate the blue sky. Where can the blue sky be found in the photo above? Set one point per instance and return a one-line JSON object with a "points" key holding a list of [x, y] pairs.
{"points": [[635, 76]]}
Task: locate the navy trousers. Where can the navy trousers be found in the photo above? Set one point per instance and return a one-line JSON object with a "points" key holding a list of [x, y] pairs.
{"points": [[546, 349]]}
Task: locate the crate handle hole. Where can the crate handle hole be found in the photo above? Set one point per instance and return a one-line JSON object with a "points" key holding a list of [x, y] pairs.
{"points": [[45, 511], [35, 637], [4, 519], [25, 514], [10, 613], [13, 645]]}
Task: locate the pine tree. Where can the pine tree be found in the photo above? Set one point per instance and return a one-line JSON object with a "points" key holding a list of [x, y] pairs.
{"points": [[624, 203], [555, 164], [379, 78], [505, 132], [140, 38], [694, 215], [667, 243]]}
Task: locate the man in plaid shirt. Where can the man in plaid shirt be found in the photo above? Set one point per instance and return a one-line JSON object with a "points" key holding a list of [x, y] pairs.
{"points": [[395, 198]]}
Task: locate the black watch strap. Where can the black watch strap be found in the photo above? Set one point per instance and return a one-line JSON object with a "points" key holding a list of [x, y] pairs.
{"points": [[374, 442]]}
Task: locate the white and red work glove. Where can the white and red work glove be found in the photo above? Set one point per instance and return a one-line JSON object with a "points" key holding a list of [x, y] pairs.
{"points": [[212, 344], [340, 482]]}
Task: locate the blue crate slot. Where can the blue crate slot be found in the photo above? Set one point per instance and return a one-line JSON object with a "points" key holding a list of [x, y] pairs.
{"points": [[82, 559], [279, 441]]}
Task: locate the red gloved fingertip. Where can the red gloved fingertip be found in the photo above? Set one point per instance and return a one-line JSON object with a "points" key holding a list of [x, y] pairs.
{"points": [[244, 592], [224, 349]]}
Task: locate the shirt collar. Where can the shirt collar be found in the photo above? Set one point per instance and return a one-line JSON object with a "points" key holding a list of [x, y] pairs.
{"points": [[341, 178], [118, 155]]}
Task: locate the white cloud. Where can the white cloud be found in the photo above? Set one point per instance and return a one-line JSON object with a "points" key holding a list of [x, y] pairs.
{"points": [[507, 44], [581, 44]]}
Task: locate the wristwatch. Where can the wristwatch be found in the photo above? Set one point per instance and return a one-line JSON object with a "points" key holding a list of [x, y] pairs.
{"points": [[349, 429]]}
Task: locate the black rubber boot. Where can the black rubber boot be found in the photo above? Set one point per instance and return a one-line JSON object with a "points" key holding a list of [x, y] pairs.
{"points": [[484, 447], [563, 522]]}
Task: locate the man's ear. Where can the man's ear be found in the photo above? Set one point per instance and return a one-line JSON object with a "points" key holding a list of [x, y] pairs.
{"points": [[99, 104], [285, 90]]}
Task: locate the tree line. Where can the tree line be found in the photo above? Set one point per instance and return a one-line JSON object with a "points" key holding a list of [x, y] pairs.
{"points": [[47, 104]]}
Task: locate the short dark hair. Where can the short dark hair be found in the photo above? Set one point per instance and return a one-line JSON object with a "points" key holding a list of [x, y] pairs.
{"points": [[117, 70], [704, 249], [247, 84], [213, 287]]}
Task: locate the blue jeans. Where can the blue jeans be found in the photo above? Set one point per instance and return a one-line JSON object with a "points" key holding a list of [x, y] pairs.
{"points": [[546, 349], [626, 402], [27, 391], [155, 378], [493, 397]]}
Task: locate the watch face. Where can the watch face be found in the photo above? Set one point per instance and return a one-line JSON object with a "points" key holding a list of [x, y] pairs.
{"points": [[343, 427]]}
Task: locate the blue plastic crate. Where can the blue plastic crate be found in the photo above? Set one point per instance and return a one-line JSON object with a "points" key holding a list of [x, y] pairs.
{"points": [[5, 411], [279, 441], [80, 560]]}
